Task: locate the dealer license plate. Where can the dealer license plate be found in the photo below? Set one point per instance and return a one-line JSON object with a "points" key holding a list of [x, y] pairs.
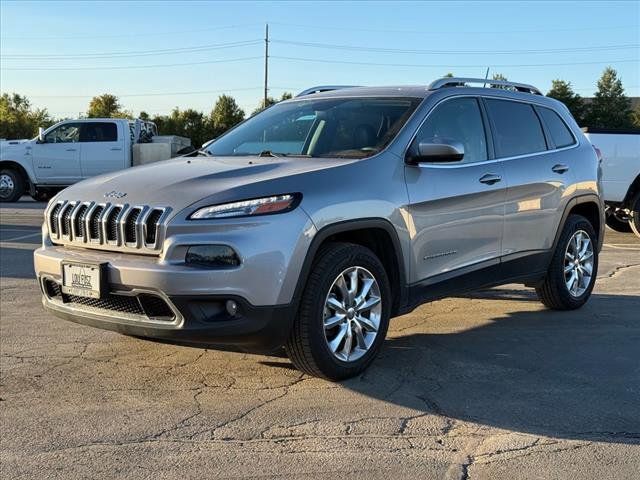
{"points": [[82, 279]]}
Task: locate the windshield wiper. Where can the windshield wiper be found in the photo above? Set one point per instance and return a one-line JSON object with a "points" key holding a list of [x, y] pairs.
{"points": [[269, 153]]}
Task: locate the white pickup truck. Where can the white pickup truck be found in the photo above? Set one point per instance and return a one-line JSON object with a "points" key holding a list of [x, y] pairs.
{"points": [[73, 150], [620, 150]]}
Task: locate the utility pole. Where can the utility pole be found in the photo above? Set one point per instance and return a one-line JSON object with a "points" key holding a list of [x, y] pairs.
{"points": [[266, 64]]}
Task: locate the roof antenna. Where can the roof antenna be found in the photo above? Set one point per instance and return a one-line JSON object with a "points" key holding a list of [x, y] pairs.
{"points": [[486, 76]]}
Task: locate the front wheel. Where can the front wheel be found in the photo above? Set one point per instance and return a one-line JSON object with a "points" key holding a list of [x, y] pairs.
{"points": [[573, 269], [11, 185], [344, 313]]}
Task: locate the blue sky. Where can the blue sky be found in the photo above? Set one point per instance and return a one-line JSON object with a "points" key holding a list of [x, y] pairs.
{"points": [[60, 54]]}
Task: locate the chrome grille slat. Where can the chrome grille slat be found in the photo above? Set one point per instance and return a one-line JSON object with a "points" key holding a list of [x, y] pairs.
{"points": [[130, 227]]}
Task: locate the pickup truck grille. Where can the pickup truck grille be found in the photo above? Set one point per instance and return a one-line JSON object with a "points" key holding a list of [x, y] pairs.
{"points": [[107, 226]]}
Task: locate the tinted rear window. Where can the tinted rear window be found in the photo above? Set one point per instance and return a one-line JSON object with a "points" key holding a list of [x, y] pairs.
{"points": [[560, 133], [517, 128], [99, 132]]}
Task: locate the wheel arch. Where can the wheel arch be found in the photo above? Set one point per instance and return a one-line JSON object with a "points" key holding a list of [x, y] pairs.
{"points": [[12, 164], [633, 190], [590, 207], [378, 235]]}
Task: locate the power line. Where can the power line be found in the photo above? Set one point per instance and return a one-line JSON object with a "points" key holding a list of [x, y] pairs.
{"points": [[454, 52], [139, 53], [448, 32], [127, 35], [345, 62], [128, 67], [160, 94]]}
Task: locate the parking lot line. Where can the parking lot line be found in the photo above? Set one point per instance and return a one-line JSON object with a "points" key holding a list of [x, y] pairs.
{"points": [[23, 237]]}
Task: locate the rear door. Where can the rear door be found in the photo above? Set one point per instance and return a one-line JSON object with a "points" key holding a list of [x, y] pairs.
{"points": [[57, 160], [103, 148], [456, 209], [537, 174]]}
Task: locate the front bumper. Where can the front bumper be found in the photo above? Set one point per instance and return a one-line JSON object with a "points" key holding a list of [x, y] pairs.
{"points": [[199, 319]]}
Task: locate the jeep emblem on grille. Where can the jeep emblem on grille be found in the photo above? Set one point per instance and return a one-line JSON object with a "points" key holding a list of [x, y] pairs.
{"points": [[114, 194]]}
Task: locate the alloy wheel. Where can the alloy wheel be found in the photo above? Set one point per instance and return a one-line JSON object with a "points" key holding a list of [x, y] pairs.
{"points": [[578, 263], [352, 313]]}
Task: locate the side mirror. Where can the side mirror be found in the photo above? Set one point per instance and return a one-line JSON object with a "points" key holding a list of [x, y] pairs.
{"points": [[443, 151], [40, 135]]}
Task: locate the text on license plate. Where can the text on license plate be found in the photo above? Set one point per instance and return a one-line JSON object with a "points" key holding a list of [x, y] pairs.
{"points": [[81, 279]]}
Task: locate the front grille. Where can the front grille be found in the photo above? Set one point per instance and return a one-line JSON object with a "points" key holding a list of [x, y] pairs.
{"points": [[94, 223], [54, 216], [130, 228], [112, 224], [146, 305], [83, 223], [79, 220]]}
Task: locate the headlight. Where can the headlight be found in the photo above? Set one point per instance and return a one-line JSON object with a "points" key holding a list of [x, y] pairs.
{"points": [[248, 208]]}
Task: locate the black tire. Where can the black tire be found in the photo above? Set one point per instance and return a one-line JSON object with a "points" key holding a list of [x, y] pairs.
{"points": [[43, 195], [634, 223], [307, 346], [553, 291], [617, 225], [16, 190]]}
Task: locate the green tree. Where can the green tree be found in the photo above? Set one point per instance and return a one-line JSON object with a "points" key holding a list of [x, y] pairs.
{"points": [[225, 114], [610, 107], [271, 101], [499, 76], [635, 117], [106, 106], [449, 75], [562, 91], [18, 119], [186, 123], [144, 115]]}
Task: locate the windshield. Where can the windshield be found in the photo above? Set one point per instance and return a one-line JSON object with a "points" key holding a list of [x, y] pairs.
{"points": [[336, 127]]}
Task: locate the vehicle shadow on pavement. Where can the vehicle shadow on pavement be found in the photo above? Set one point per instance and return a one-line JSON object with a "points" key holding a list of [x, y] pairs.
{"points": [[572, 375]]}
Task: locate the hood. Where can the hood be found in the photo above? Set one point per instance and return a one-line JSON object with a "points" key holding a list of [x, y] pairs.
{"points": [[183, 181]]}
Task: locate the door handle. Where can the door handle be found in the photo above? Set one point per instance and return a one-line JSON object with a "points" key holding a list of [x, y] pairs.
{"points": [[560, 168], [490, 179], [71, 150], [116, 149]]}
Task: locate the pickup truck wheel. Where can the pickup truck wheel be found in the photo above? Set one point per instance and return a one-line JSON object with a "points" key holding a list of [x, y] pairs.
{"points": [[573, 269], [614, 223], [344, 313], [634, 222], [11, 185]]}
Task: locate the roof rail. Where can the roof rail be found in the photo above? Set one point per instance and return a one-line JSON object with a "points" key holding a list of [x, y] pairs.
{"points": [[462, 82], [323, 88]]}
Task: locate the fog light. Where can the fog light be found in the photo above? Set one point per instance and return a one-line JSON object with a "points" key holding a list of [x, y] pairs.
{"points": [[212, 256], [232, 308]]}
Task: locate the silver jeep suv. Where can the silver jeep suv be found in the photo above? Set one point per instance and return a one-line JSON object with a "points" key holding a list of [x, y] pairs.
{"points": [[314, 222]]}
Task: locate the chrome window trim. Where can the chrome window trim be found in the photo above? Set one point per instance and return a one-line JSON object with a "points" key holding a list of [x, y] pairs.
{"points": [[493, 160]]}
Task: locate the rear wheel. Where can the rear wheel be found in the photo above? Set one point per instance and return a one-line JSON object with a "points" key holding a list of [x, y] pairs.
{"points": [[344, 313], [573, 269], [634, 221], [614, 222], [12, 185]]}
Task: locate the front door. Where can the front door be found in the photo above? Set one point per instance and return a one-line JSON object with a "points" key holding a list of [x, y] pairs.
{"points": [[456, 209], [102, 148], [57, 160]]}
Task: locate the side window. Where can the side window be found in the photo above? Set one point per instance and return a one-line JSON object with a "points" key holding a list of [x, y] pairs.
{"points": [[99, 132], [67, 133], [517, 128], [560, 133], [459, 120]]}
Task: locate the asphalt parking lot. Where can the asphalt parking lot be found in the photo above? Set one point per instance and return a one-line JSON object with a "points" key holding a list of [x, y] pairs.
{"points": [[491, 385]]}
